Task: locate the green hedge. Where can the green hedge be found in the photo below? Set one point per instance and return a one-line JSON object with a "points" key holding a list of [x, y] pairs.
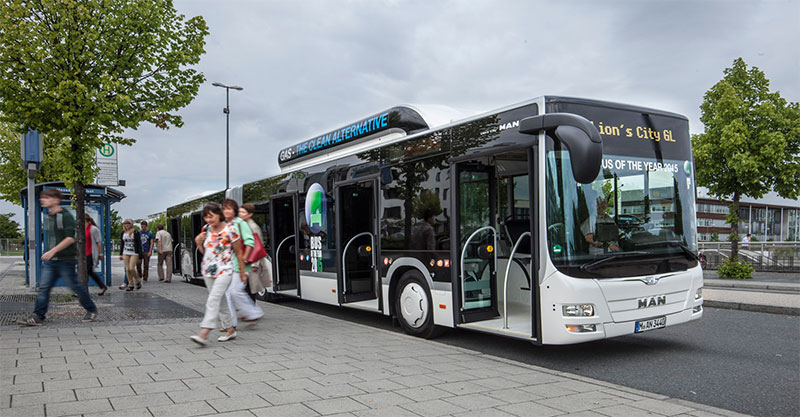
{"points": [[735, 270]]}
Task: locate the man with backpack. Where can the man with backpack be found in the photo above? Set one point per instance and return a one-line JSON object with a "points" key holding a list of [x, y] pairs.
{"points": [[60, 260]]}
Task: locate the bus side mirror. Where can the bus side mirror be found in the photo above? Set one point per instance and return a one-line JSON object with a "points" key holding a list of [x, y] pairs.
{"points": [[581, 138]]}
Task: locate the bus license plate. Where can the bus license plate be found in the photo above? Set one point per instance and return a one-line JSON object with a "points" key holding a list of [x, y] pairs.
{"points": [[652, 324]]}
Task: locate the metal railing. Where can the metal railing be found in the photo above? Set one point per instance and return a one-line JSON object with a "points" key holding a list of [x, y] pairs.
{"points": [[762, 256]]}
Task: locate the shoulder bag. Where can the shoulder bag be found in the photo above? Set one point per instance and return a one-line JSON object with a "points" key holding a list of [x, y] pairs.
{"points": [[258, 251]]}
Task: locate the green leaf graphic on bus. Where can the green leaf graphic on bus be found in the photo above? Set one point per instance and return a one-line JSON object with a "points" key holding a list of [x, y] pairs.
{"points": [[316, 209]]}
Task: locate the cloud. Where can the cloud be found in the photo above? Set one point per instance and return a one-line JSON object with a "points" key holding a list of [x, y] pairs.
{"points": [[310, 67]]}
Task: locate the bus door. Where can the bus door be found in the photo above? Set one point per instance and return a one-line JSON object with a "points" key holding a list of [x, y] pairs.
{"points": [[517, 275], [197, 257], [476, 254], [283, 232], [175, 230], [356, 237]]}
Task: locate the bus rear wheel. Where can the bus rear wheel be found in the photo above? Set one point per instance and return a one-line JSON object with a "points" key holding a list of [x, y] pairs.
{"points": [[414, 306]]}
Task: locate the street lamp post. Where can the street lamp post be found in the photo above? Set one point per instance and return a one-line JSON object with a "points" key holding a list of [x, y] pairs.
{"points": [[227, 111]]}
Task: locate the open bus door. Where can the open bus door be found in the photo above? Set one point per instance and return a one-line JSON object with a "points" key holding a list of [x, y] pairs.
{"points": [[175, 230], [197, 257], [283, 232], [356, 239], [476, 261], [496, 224]]}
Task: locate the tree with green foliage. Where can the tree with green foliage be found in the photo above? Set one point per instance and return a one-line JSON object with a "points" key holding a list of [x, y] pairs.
{"points": [[751, 143], [9, 229], [12, 177], [84, 72], [116, 224]]}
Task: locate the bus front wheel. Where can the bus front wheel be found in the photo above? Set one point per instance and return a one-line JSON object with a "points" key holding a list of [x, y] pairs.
{"points": [[414, 306]]}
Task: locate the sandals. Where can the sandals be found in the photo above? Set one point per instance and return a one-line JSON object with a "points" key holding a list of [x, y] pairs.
{"points": [[103, 291], [129, 289], [139, 286]]}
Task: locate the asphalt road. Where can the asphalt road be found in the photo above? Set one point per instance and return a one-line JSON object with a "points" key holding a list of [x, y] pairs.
{"points": [[741, 361]]}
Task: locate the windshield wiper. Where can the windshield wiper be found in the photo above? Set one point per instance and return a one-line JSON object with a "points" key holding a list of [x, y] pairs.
{"points": [[589, 266], [677, 243]]}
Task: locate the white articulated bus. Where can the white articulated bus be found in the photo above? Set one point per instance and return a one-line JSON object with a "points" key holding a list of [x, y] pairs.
{"points": [[557, 220]]}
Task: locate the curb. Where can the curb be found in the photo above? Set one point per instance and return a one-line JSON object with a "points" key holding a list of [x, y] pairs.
{"points": [[790, 311], [749, 285]]}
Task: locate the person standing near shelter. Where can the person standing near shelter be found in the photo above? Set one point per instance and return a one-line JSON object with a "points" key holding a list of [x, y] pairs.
{"points": [[94, 252], [129, 250], [143, 264], [164, 247], [60, 259]]}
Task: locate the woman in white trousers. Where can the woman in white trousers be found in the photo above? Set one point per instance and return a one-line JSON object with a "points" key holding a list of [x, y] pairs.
{"points": [[237, 295], [218, 243]]}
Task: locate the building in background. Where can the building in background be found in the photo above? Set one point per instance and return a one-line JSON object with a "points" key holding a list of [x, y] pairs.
{"points": [[769, 219]]}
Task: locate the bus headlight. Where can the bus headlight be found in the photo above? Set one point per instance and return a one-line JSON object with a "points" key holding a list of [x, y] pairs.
{"points": [[579, 310], [699, 294]]}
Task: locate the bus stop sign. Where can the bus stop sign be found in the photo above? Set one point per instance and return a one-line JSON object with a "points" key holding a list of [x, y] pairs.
{"points": [[31, 149]]}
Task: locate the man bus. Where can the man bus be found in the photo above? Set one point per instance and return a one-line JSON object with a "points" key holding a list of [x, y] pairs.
{"points": [[556, 220]]}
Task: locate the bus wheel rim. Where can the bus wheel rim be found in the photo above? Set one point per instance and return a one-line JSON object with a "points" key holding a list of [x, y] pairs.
{"points": [[414, 305]]}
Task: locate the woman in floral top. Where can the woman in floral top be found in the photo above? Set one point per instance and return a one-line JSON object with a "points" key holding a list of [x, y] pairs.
{"points": [[218, 242]]}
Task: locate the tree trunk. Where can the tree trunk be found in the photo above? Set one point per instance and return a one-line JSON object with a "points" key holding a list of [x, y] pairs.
{"points": [[80, 235], [735, 228]]}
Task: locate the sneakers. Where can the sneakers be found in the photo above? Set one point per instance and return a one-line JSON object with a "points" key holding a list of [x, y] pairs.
{"points": [[199, 340], [122, 286], [89, 317], [225, 338], [32, 320]]}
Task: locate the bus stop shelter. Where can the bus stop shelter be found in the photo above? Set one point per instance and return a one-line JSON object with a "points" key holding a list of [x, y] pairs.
{"points": [[98, 205]]}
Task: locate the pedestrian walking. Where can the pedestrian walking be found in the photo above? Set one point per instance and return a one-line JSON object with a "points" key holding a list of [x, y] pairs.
{"points": [[60, 260], [260, 277], [220, 245], [129, 251], [143, 264], [244, 301], [236, 295], [94, 252], [164, 247]]}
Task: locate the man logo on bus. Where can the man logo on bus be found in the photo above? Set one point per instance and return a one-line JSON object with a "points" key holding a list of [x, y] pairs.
{"points": [[316, 208]]}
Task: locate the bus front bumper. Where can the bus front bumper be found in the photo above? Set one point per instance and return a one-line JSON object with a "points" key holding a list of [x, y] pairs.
{"points": [[630, 327]]}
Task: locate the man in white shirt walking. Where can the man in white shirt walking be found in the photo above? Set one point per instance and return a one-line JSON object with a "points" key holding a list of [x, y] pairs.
{"points": [[164, 246]]}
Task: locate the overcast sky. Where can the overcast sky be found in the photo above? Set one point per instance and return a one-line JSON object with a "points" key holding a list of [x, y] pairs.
{"points": [[309, 67]]}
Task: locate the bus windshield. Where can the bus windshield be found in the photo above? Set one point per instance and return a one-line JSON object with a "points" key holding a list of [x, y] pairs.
{"points": [[638, 216]]}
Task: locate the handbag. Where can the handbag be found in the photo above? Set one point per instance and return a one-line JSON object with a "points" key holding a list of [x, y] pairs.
{"points": [[258, 251]]}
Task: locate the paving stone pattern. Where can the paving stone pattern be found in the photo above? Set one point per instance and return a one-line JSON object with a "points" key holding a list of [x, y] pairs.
{"points": [[294, 363]]}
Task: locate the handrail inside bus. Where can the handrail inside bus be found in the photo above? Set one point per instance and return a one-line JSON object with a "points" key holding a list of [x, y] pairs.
{"points": [[278, 260], [505, 280], [344, 253], [464, 251]]}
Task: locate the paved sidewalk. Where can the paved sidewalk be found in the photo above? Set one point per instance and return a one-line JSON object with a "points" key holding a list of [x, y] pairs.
{"points": [[294, 363], [767, 292]]}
